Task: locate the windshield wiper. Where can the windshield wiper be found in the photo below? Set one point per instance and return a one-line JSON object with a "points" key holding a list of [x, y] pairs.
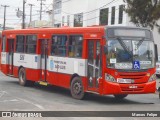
{"points": [[140, 43], [124, 45]]}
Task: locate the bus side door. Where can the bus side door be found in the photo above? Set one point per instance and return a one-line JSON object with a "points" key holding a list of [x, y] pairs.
{"points": [[44, 58], [11, 53], [93, 66]]}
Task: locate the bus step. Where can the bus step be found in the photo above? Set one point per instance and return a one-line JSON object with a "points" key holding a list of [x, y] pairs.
{"points": [[43, 83], [10, 75]]}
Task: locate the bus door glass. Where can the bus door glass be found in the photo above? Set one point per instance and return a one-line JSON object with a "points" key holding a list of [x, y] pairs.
{"points": [[93, 64], [44, 57], [11, 53]]}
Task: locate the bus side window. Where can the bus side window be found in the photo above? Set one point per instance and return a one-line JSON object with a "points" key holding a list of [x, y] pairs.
{"points": [[20, 43], [31, 43], [62, 46], [75, 46], [54, 49], [58, 45]]}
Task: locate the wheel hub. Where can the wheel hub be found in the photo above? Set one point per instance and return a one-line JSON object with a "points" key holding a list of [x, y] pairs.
{"points": [[77, 88]]}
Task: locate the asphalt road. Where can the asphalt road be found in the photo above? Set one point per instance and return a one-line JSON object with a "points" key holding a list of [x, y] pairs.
{"points": [[14, 97]]}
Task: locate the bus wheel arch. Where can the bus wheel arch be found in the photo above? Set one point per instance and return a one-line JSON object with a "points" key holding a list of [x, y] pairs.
{"points": [[19, 69], [73, 76], [77, 87], [22, 77]]}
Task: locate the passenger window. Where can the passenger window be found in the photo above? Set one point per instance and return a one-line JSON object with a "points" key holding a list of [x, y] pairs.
{"points": [[58, 46], [75, 46], [31, 43], [20, 43]]}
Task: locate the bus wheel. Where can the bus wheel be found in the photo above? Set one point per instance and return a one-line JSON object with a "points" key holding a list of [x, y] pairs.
{"points": [[22, 77], [77, 89], [120, 96]]}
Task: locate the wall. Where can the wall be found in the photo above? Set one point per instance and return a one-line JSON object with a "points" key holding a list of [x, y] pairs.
{"points": [[91, 11]]}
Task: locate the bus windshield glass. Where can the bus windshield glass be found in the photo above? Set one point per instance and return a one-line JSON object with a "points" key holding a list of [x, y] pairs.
{"points": [[130, 52]]}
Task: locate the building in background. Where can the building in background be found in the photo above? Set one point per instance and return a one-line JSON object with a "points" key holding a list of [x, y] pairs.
{"points": [[57, 13], [82, 13], [40, 24]]}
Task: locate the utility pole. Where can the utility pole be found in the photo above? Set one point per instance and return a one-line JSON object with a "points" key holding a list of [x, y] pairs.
{"points": [[41, 8], [23, 17], [31, 12], [4, 23], [53, 13]]}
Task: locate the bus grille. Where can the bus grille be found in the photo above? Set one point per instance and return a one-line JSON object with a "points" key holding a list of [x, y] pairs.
{"points": [[135, 76]]}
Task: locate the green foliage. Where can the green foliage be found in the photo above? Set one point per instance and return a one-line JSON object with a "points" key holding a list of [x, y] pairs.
{"points": [[145, 13]]}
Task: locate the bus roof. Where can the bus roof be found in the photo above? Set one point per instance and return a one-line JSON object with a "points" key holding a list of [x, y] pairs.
{"points": [[63, 29], [129, 27], [95, 29]]}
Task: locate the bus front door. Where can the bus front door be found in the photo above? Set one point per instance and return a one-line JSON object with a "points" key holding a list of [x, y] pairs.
{"points": [[44, 57], [11, 53], [93, 73]]}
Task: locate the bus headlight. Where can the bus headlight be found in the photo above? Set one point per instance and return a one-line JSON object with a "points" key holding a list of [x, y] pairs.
{"points": [[152, 78], [109, 78]]}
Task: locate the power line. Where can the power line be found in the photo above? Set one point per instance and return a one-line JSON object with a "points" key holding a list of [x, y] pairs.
{"points": [[89, 12], [13, 13], [47, 7], [93, 9], [19, 21], [85, 19]]}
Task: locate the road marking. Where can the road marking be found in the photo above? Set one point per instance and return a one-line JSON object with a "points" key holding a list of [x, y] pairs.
{"points": [[37, 105], [17, 99], [14, 100]]}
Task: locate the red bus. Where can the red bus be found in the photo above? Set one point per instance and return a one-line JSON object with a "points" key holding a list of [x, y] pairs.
{"points": [[104, 60], [0, 47]]}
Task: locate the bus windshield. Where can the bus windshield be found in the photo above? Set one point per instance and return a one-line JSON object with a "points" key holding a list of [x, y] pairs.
{"points": [[130, 53]]}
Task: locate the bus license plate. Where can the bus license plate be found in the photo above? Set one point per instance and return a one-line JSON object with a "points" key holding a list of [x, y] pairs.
{"points": [[133, 87], [121, 80]]}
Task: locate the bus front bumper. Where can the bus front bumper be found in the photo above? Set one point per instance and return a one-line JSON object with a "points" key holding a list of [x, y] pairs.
{"points": [[115, 88]]}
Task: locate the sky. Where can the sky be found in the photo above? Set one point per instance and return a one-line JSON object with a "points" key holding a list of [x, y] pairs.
{"points": [[11, 17]]}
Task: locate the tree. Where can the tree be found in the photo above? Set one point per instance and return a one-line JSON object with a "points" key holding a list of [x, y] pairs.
{"points": [[145, 13]]}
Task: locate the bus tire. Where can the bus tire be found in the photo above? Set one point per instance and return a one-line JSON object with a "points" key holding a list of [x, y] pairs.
{"points": [[121, 96], [77, 89], [22, 77]]}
